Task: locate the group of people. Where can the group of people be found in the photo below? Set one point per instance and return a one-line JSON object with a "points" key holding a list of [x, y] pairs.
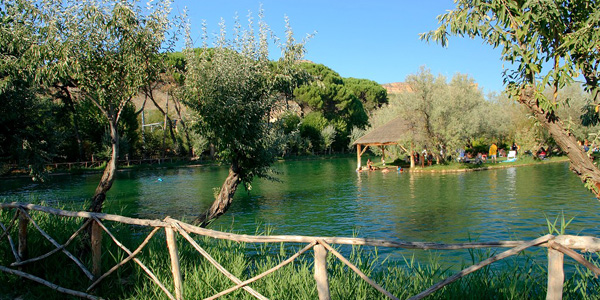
{"points": [[493, 154], [371, 167], [426, 157], [370, 164]]}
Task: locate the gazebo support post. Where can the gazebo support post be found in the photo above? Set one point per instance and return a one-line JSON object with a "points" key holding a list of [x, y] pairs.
{"points": [[358, 154], [412, 158]]}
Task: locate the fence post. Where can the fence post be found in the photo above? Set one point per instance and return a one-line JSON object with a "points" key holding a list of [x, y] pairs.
{"points": [[172, 245], [96, 241], [556, 274], [22, 248], [321, 272]]}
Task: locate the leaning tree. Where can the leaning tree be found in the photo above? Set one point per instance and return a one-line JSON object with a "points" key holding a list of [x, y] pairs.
{"points": [[111, 47], [27, 135], [548, 44], [232, 87]]}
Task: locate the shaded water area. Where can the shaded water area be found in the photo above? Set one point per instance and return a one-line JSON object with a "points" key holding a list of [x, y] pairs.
{"points": [[326, 197]]}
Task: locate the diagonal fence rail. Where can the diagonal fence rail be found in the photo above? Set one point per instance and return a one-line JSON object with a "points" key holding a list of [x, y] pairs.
{"points": [[557, 246]]}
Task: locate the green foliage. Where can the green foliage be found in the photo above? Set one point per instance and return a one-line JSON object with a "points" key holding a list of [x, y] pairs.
{"points": [[531, 34], [232, 89], [328, 133], [336, 101], [232, 107], [370, 93], [547, 44], [442, 115], [311, 127], [558, 228], [93, 57], [26, 135], [290, 122], [288, 73]]}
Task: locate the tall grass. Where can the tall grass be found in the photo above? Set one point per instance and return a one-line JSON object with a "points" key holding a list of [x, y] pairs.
{"points": [[518, 278]]}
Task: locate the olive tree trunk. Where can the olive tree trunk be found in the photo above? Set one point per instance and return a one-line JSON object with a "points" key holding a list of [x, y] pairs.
{"points": [[223, 200], [109, 172], [581, 164]]}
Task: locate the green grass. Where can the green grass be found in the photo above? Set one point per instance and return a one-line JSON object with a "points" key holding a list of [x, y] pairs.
{"points": [[516, 278]]}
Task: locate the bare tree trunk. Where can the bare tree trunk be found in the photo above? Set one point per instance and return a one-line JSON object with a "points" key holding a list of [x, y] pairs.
{"points": [[109, 172], [167, 120], [143, 112], [166, 115], [581, 164], [184, 125], [212, 151], [223, 200], [68, 98]]}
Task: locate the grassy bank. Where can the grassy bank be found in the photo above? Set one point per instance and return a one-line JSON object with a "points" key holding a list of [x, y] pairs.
{"points": [[454, 166], [518, 278]]}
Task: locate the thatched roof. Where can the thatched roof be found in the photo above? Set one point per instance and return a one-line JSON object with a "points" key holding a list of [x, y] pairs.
{"points": [[389, 133]]}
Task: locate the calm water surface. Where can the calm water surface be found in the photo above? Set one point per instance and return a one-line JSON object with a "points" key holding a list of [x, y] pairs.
{"points": [[326, 197]]}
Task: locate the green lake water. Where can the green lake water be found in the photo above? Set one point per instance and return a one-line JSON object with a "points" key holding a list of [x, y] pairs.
{"points": [[326, 197]]}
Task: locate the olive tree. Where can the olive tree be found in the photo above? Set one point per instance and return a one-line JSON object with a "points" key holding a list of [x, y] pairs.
{"points": [[27, 135], [547, 44], [232, 88], [111, 47], [440, 115]]}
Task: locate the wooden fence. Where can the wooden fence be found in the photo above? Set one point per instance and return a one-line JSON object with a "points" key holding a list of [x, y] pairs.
{"points": [[99, 163], [557, 247]]}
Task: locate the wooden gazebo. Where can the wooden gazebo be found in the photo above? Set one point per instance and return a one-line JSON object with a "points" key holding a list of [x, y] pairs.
{"points": [[388, 134]]}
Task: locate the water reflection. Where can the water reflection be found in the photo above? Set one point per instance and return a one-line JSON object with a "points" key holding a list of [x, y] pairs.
{"points": [[328, 197]]}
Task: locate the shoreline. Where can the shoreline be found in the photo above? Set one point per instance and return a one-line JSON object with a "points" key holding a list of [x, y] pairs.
{"points": [[190, 164], [499, 165], [430, 169]]}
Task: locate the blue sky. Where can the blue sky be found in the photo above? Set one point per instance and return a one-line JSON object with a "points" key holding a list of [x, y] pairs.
{"points": [[376, 40]]}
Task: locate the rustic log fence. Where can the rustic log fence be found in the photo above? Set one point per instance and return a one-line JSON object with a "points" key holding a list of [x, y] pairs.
{"points": [[557, 246], [122, 162]]}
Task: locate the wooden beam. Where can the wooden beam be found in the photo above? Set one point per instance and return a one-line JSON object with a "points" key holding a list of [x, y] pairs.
{"points": [[49, 284], [56, 244], [11, 243], [130, 257], [212, 260], [265, 273], [576, 256], [139, 262], [358, 155], [63, 246], [22, 246], [175, 269], [358, 271], [96, 242], [556, 275], [364, 150], [590, 244], [379, 144], [320, 269], [473, 268]]}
